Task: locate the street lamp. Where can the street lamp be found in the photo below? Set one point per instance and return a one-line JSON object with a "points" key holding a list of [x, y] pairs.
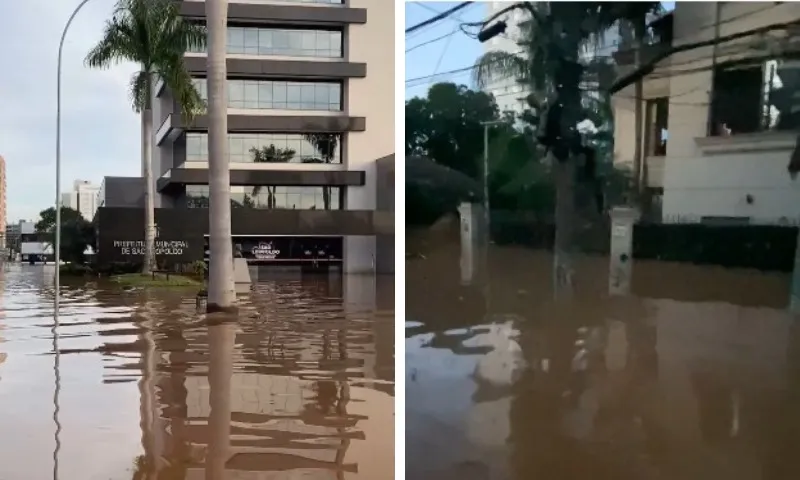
{"points": [[57, 280], [58, 167]]}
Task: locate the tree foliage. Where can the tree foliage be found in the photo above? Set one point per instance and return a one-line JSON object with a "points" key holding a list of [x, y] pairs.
{"points": [[152, 34], [446, 126], [76, 233]]}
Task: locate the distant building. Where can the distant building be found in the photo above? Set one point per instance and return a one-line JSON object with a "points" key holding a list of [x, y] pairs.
{"points": [[82, 198], [2, 203]]}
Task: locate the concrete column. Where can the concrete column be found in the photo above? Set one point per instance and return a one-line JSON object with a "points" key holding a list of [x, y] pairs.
{"points": [[621, 257], [471, 234]]}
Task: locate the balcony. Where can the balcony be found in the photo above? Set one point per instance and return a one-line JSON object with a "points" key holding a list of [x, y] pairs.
{"points": [[174, 124], [286, 13], [265, 68], [176, 178]]}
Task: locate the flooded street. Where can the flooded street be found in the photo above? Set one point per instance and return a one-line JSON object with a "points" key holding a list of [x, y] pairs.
{"points": [[302, 386], [695, 376]]}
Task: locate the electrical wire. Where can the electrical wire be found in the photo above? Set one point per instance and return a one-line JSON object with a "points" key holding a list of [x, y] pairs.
{"points": [[441, 56], [446, 35], [439, 17], [661, 73], [433, 10]]}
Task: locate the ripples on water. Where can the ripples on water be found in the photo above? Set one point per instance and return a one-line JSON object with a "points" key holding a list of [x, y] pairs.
{"points": [[694, 377], [300, 387]]}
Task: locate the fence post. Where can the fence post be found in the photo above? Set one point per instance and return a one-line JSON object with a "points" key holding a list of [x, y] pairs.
{"points": [[620, 269], [470, 233]]}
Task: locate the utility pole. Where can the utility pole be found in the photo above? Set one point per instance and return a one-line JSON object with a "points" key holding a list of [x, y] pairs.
{"points": [[486, 216]]}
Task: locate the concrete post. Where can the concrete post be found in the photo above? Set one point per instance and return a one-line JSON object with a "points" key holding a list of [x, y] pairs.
{"points": [[471, 234], [621, 257]]}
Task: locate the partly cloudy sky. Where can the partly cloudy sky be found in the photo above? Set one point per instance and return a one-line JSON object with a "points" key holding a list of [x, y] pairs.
{"points": [[100, 132]]}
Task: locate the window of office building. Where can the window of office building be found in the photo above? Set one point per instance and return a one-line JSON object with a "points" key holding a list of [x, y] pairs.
{"points": [[279, 95], [270, 148], [753, 97], [283, 42], [271, 197]]}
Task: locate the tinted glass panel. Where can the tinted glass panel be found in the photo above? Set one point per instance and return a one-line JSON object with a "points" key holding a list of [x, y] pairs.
{"points": [[275, 196], [270, 148], [283, 42], [279, 95]]}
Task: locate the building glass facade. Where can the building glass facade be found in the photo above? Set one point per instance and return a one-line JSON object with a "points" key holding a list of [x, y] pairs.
{"points": [[289, 42], [277, 197], [290, 147], [279, 95]]}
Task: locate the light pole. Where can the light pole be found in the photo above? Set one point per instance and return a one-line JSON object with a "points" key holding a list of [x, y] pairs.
{"points": [[58, 166], [57, 279]]}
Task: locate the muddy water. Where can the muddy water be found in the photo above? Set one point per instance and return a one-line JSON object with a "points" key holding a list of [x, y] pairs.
{"points": [[695, 376], [301, 386]]}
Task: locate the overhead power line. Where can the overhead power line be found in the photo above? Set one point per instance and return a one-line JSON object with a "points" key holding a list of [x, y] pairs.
{"points": [[433, 10], [431, 41], [438, 17]]}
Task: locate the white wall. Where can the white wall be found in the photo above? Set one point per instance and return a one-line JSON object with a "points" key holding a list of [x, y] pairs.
{"points": [[712, 176], [371, 97]]}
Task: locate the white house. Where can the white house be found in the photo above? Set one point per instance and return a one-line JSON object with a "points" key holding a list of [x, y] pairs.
{"points": [[720, 121]]}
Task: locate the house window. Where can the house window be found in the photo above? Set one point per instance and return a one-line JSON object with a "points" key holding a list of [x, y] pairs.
{"points": [[657, 113], [756, 97]]}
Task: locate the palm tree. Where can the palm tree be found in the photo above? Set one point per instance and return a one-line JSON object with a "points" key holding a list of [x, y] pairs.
{"points": [[221, 292], [153, 34], [325, 144], [552, 68], [270, 154]]}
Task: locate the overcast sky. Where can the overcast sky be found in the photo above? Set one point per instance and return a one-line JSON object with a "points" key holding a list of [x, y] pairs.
{"points": [[100, 132]]}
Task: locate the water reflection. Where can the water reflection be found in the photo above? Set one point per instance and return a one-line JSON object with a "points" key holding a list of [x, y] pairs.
{"points": [[661, 386], [301, 386]]}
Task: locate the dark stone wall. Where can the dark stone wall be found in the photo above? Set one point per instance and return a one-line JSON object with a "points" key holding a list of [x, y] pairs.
{"points": [[123, 192], [181, 231]]}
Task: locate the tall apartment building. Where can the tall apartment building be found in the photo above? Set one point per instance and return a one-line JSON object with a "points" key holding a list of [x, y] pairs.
{"points": [[310, 113], [3, 186], [82, 198], [508, 92]]}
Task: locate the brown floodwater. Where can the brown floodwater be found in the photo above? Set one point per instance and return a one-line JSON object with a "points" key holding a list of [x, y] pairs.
{"points": [[301, 385], [694, 376]]}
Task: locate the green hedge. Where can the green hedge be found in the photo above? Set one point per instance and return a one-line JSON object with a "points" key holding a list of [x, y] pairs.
{"points": [[768, 248]]}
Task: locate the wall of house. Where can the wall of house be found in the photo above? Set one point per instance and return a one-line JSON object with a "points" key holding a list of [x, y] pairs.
{"points": [[371, 97], [624, 104], [713, 176]]}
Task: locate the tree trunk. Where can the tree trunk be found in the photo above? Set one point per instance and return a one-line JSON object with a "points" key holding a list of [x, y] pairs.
{"points": [[221, 340], [565, 224], [149, 261], [326, 198], [221, 293]]}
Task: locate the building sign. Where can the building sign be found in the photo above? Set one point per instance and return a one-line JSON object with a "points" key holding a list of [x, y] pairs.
{"points": [[163, 247], [265, 251], [268, 249]]}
